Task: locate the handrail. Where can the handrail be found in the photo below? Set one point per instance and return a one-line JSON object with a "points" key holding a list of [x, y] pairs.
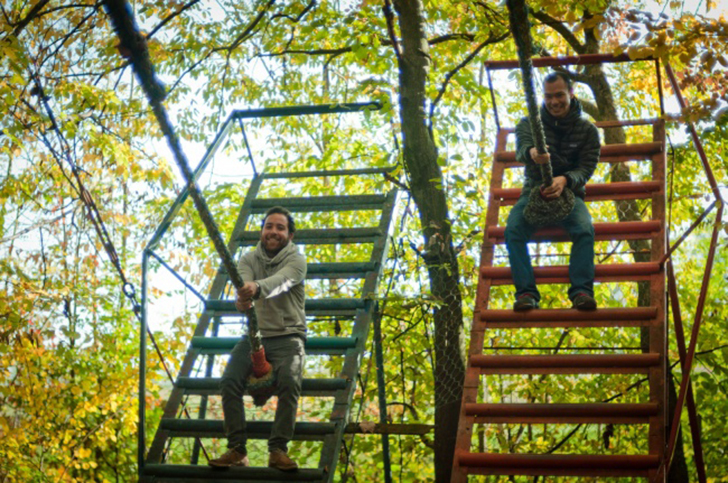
{"points": [[687, 359]]}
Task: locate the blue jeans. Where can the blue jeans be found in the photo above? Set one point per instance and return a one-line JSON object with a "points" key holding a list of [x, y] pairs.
{"points": [[581, 263], [285, 354]]}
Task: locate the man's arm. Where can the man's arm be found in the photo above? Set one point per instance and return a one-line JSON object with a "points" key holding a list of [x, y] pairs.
{"points": [[588, 159], [245, 294], [524, 142], [293, 273]]}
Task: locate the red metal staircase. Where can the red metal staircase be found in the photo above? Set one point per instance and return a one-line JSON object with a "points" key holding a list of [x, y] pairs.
{"points": [[652, 363]]}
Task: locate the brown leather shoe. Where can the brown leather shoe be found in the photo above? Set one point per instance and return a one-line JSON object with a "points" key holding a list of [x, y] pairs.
{"points": [[232, 457], [279, 459]]}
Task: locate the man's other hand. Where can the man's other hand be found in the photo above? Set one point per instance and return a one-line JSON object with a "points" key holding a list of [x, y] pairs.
{"points": [[554, 191], [539, 158]]}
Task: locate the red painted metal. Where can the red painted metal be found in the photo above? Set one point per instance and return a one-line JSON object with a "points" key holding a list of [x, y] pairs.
{"points": [[630, 151], [625, 271], [563, 413], [692, 407], [694, 134], [577, 363], [682, 238], [585, 59], [693, 339], [626, 230], [568, 315], [594, 192], [642, 462]]}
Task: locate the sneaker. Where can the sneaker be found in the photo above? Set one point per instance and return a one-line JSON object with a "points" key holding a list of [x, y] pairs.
{"points": [[525, 302], [583, 301], [279, 459], [232, 457]]}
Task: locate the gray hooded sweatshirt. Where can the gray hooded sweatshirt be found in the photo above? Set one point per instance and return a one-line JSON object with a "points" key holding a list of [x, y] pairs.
{"points": [[282, 278]]}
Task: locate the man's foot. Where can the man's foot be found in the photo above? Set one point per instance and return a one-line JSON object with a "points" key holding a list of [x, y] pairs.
{"points": [[525, 302], [232, 457], [279, 459], [583, 301]]}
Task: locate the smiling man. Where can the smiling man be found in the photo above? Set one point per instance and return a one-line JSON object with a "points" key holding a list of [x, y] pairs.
{"points": [[273, 276], [573, 150]]}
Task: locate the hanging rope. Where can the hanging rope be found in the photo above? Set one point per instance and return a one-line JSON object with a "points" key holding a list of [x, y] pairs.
{"points": [[539, 211], [133, 45]]}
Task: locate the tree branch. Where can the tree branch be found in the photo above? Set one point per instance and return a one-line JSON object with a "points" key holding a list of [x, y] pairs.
{"points": [[451, 74], [389, 16], [562, 29], [161, 24], [29, 18]]}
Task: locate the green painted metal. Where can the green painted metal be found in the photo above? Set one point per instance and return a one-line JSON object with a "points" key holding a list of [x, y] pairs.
{"points": [[312, 343], [322, 203], [283, 111], [341, 389], [227, 307], [321, 237], [322, 174], [196, 474], [211, 385]]}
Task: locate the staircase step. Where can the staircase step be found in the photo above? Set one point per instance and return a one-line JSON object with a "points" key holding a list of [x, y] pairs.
{"points": [[322, 203], [199, 473], [557, 464], [320, 174], [333, 236], [336, 270], [623, 190], [562, 413], [309, 387], [621, 272], [213, 428], [626, 230], [313, 307], [339, 270], [314, 345], [565, 364], [614, 317], [609, 152]]}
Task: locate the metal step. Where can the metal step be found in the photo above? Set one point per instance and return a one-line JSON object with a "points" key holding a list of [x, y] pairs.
{"points": [[565, 364], [544, 318], [314, 345], [626, 230], [610, 153], [207, 474], [333, 236], [223, 308], [322, 203], [623, 272], [562, 413], [557, 464], [212, 428], [319, 174], [336, 270], [623, 190], [309, 387]]}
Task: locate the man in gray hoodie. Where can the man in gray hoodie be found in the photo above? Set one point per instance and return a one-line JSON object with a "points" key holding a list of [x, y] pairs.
{"points": [[274, 275]]}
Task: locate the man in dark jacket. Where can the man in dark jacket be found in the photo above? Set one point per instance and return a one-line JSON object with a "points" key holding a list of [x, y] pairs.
{"points": [[273, 274], [573, 150]]}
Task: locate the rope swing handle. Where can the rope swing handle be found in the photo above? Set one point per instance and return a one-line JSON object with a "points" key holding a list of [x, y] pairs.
{"points": [[520, 28]]}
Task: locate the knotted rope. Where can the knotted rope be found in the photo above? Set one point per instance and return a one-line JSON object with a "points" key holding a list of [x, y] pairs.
{"points": [[538, 211], [133, 45]]}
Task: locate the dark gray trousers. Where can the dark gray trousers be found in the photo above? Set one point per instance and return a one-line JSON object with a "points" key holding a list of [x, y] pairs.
{"points": [[286, 355]]}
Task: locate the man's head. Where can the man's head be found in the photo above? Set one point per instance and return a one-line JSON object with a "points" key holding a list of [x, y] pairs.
{"points": [[557, 94], [277, 230]]}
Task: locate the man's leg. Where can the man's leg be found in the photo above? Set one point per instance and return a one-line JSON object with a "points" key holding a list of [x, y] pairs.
{"points": [[518, 232], [581, 263], [232, 386], [286, 355]]}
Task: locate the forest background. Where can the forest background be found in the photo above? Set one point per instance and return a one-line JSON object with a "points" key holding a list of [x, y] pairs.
{"points": [[68, 336]]}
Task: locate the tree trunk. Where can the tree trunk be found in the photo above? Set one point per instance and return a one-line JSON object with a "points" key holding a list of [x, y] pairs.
{"points": [[420, 160]]}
